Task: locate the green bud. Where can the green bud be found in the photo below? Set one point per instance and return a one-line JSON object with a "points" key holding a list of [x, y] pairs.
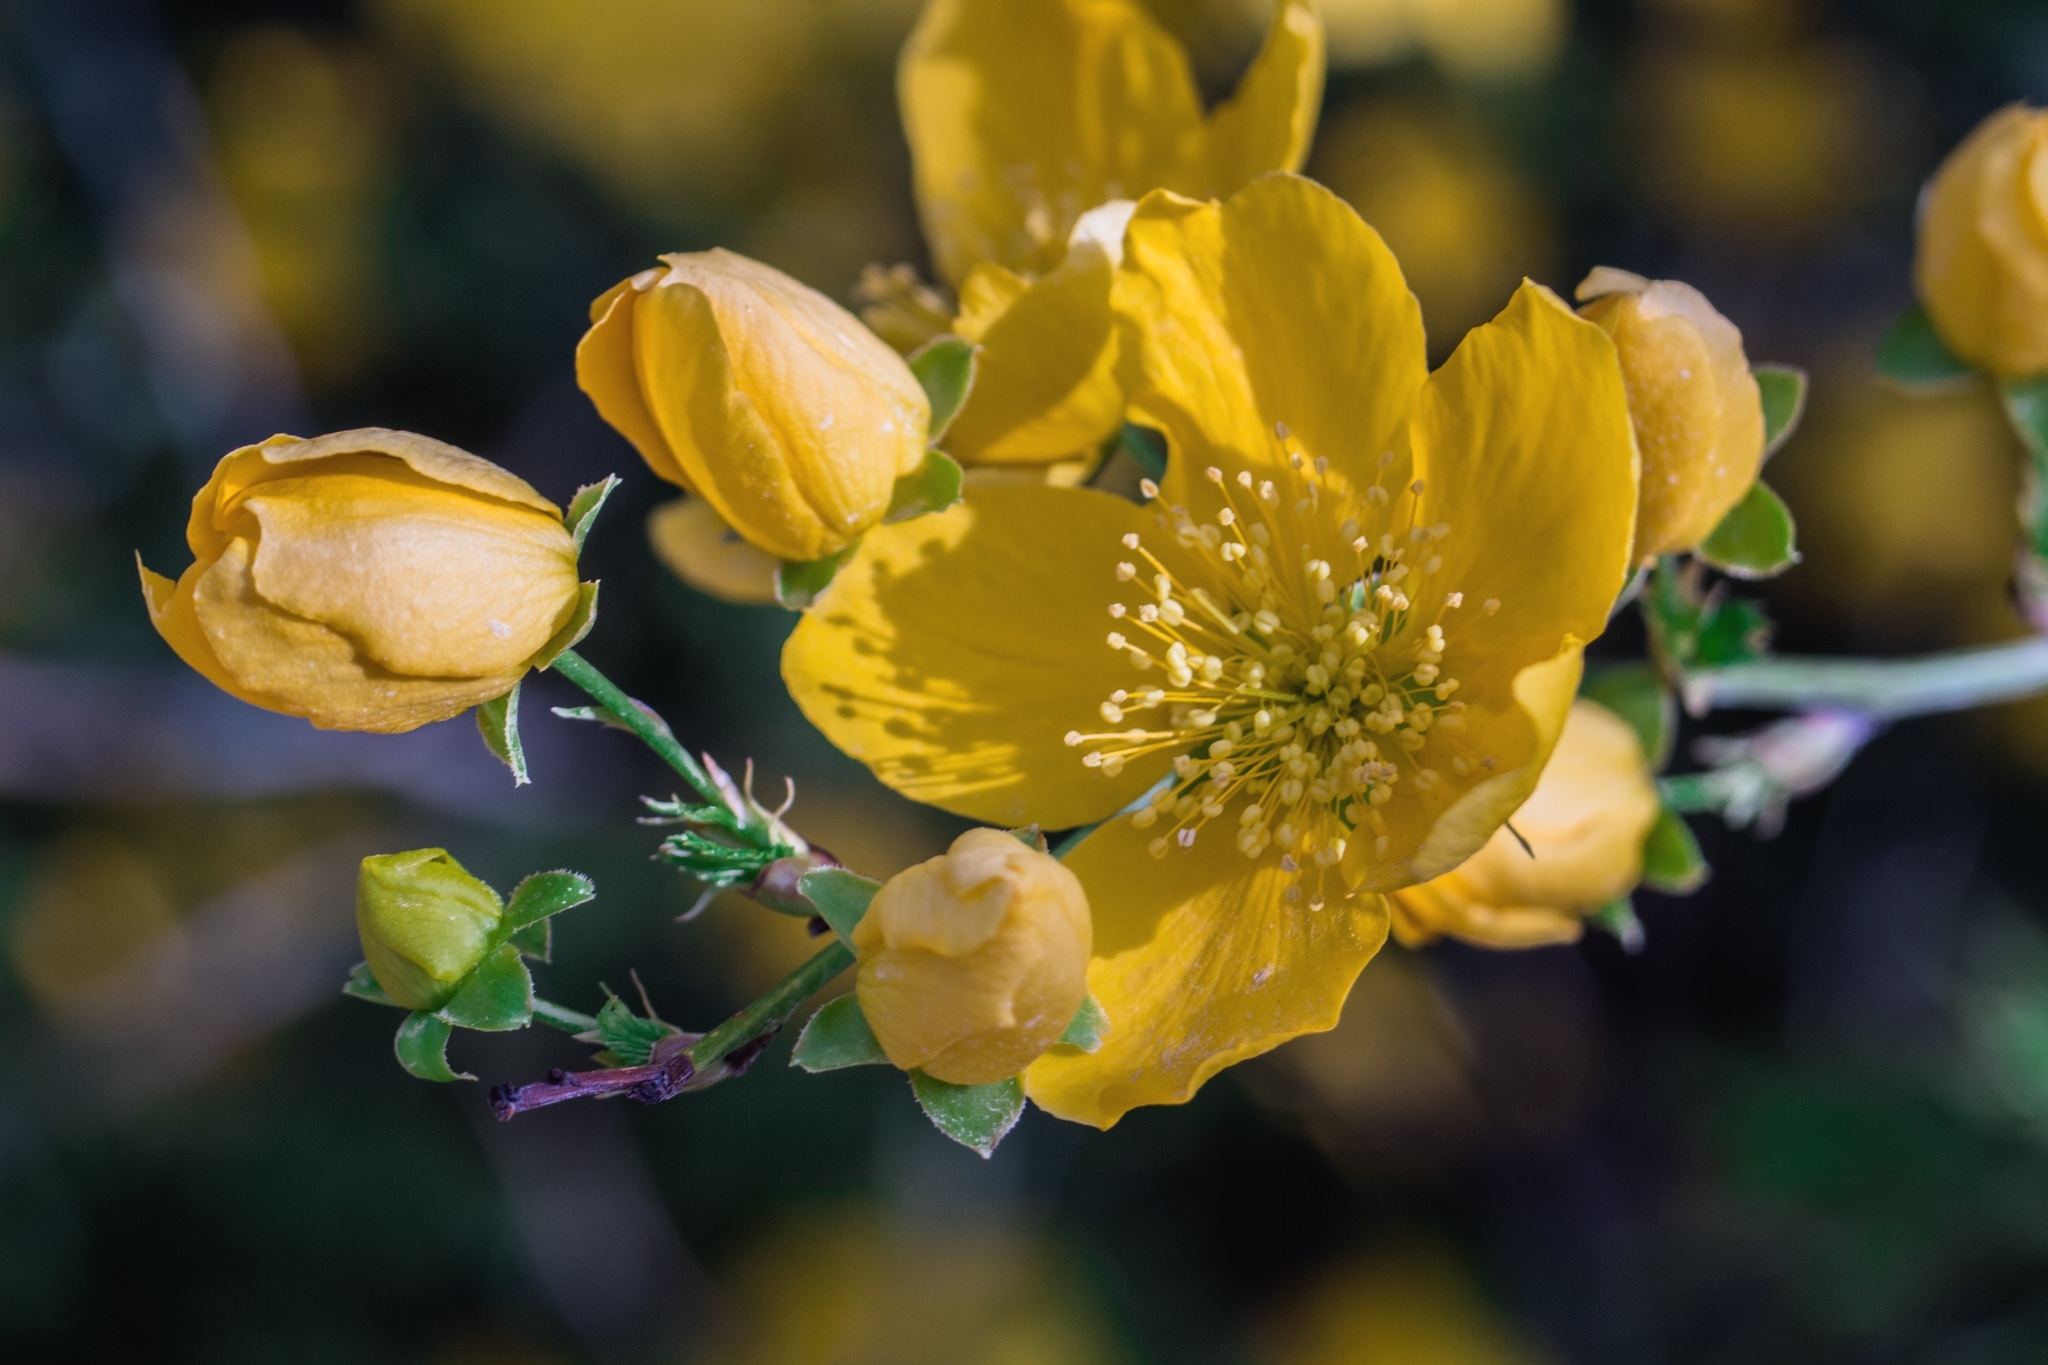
{"points": [[425, 922]]}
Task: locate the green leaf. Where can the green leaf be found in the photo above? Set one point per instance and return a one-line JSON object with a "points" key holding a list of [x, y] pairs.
{"points": [[495, 997], [628, 1038], [544, 894], [498, 721], [1146, 449], [362, 983], [1914, 356], [1672, 862], [1734, 631], [422, 1048], [932, 487], [571, 635], [584, 507], [1087, 1028], [838, 1036], [2026, 408], [536, 940], [1618, 917], [797, 586], [1692, 629], [1636, 693], [1783, 388], [977, 1116], [945, 366], [841, 898], [1755, 539]]}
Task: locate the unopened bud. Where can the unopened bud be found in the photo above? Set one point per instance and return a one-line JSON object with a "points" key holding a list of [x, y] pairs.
{"points": [[1981, 267], [425, 923]]}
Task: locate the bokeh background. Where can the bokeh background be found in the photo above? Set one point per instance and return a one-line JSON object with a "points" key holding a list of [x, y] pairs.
{"points": [[1808, 1122]]}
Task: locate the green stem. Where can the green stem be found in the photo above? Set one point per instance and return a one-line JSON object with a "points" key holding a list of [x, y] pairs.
{"points": [[772, 1010], [651, 729], [1888, 689], [561, 1017]]}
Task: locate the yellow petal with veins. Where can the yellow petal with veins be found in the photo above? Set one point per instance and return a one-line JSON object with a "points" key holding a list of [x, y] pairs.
{"points": [[1045, 381], [1201, 961]]}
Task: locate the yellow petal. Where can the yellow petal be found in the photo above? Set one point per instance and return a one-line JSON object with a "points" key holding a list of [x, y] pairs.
{"points": [[954, 652], [171, 612], [1268, 124], [1440, 908], [1279, 306], [709, 555], [1045, 379], [1981, 266], [607, 373], [1200, 962]]}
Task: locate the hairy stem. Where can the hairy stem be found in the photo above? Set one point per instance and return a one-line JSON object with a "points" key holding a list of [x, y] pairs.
{"points": [[561, 1017], [766, 1015], [650, 728], [1886, 689]]}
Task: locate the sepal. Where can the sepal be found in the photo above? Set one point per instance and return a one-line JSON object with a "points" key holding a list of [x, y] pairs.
{"points": [[1783, 390], [1913, 355], [838, 1036], [841, 898], [976, 1116], [945, 368], [1087, 1029], [1672, 861], [932, 487], [496, 997], [1756, 538], [498, 721], [1634, 692], [571, 635], [797, 586], [362, 984], [422, 1048], [1618, 917], [584, 507]]}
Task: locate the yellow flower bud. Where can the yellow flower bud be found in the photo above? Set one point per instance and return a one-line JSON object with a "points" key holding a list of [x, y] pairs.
{"points": [[367, 580], [759, 394], [972, 964], [1585, 823], [1696, 409], [425, 922], [1982, 264]]}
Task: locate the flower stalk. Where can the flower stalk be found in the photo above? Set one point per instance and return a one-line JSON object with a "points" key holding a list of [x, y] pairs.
{"points": [[1885, 689]]}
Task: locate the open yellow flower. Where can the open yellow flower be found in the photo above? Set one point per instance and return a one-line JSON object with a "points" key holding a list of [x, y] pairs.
{"points": [[1584, 827], [1032, 124], [1348, 630]]}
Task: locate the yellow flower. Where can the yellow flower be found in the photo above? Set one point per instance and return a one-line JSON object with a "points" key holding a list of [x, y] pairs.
{"points": [[425, 922], [368, 580], [1698, 414], [760, 395], [1348, 630], [1982, 264], [974, 962], [1585, 824], [1029, 121], [710, 556]]}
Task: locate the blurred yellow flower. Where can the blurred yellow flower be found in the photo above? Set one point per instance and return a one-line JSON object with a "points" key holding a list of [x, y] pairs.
{"points": [[1414, 1306], [1032, 124], [1359, 607], [760, 395], [424, 922], [1698, 414], [368, 580], [1482, 38], [973, 963], [1982, 263], [699, 548], [1585, 824]]}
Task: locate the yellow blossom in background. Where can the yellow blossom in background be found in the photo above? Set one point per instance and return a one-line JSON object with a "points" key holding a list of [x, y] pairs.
{"points": [[367, 580], [1348, 629], [1584, 825], [973, 963], [1412, 1306], [1698, 413], [1474, 38], [1982, 263], [699, 548], [1032, 124], [759, 394]]}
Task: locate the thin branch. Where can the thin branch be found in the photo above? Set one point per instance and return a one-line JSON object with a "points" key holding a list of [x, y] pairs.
{"points": [[1885, 689]]}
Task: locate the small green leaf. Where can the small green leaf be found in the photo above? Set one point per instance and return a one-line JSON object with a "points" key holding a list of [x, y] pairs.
{"points": [[1618, 917], [932, 487], [945, 366], [1755, 540], [536, 940], [571, 635], [1732, 631], [495, 997], [628, 1038], [1088, 1027], [422, 1048], [1146, 449], [977, 1116], [2026, 408], [584, 507], [498, 721], [797, 586], [544, 894], [1783, 388], [1672, 862], [841, 897], [1636, 693], [838, 1036], [362, 983], [1914, 356]]}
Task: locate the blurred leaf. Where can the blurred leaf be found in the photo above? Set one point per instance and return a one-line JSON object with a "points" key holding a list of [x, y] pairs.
{"points": [[1088, 1027], [838, 1036], [2026, 408], [945, 366], [1672, 862], [799, 585], [584, 507], [362, 983], [1755, 539], [547, 893], [977, 1116], [571, 635], [1146, 448], [1914, 356], [496, 997], [933, 488], [422, 1048], [1618, 917], [1692, 629], [498, 721], [1735, 631], [841, 898], [1636, 693], [1783, 388], [536, 940], [1031, 836]]}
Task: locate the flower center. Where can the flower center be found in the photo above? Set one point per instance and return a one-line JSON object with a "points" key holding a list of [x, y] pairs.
{"points": [[1296, 662]]}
